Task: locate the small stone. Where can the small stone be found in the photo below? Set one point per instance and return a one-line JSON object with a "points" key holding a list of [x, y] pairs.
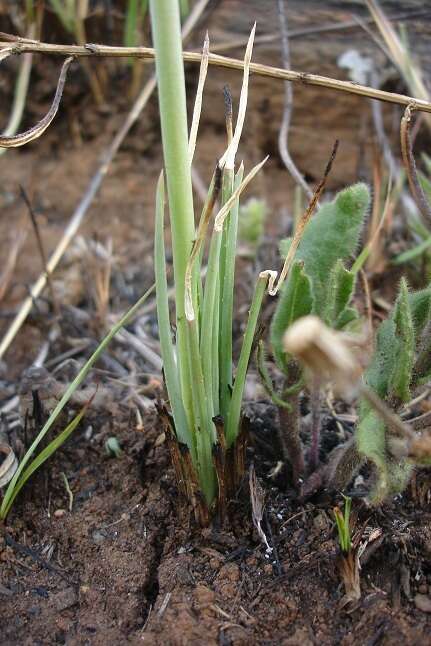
{"points": [[160, 440], [423, 602], [59, 513], [64, 599], [423, 588], [267, 568], [98, 537], [214, 564]]}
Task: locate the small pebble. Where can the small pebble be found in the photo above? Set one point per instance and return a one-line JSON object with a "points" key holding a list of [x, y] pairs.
{"points": [[423, 602], [59, 513]]}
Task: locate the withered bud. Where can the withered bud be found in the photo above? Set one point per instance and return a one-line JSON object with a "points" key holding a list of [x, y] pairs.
{"points": [[325, 353]]}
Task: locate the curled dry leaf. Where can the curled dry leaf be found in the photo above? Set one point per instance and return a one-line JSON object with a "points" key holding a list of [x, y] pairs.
{"points": [[324, 352], [348, 567], [35, 132], [8, 462]]}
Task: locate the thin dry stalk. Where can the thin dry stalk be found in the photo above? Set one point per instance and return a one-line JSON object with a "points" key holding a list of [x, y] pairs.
{"points": [[376, 261], [300, 228], [410, 166], [283, 136], [398, 53], [198, 101], [40, 247], [13, 141], [81, 37], [98, 262], [147, 53], [11, 260]]}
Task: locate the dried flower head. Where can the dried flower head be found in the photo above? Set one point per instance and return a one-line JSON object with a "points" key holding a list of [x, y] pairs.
{"points": [[324, 352]]}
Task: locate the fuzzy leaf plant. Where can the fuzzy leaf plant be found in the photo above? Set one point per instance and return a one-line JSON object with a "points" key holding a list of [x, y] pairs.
{"points": [[203, 416], [319, 283], [400, 364]]}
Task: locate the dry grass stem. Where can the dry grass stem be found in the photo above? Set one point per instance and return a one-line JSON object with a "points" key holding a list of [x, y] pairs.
{"points": [[300, 227], [410, 166], [147, 53], [283, 135], [13, 141], [198, 101]]}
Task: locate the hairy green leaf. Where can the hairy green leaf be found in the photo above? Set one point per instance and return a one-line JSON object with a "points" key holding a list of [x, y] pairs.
{"points": [[340, 291], [404, 329], [332, 236], [295, 301]]}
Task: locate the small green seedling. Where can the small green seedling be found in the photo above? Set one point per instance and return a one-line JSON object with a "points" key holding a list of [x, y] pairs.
{"points": [[318, 283], [343, 525], [113, 448], [348, 557]]}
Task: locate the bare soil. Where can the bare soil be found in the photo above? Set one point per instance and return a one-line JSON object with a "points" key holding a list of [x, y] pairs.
{"points": [[126, 566]]}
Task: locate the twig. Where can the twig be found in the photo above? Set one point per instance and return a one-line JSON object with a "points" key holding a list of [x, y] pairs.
{"points": [[40, 247], [315, 404], [13, 141], [21, 89], [91, 191], [9, 266], [283, 135], [68, 490], [147, 53], [410, 166], [305, 218]]}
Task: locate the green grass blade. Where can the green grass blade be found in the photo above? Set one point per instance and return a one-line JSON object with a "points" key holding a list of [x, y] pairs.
{"points": [[412, 254], [182, 425], [233, 418], [166, 31], [69, 392], [210, 314], [64, 14], [226, 309], [205, 429], [41, 458]]}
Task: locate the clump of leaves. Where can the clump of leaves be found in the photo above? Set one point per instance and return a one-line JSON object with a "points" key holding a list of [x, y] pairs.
{"points": [[401, 363], [318, 283], [348, 557]]}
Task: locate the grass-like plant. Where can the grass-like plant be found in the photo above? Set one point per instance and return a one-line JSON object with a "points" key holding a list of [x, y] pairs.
{"points": [[319, 284], [32, 459], [205, 399], [348, 558]]}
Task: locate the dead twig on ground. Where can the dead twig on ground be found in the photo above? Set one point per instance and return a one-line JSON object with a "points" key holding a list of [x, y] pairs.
{"points": [[147, 53]]}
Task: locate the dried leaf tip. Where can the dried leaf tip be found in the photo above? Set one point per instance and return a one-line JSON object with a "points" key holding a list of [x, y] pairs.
{"points": [[324, 352]]}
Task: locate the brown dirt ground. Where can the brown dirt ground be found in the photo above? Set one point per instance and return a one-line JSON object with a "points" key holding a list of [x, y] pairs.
{"points": [[126, 565]]}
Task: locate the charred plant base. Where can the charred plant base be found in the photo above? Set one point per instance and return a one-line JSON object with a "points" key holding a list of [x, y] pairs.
{"points": [[123, 566], [229, 465]]}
